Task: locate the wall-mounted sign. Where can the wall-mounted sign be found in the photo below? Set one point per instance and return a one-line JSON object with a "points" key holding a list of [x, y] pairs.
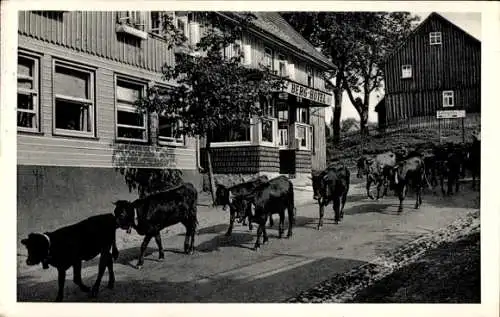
{"points": [[450, 114], [308, 93]]}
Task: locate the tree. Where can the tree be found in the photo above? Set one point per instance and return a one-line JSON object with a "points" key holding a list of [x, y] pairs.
{"points": [[357, 43], [215, 95], [348, 124]]}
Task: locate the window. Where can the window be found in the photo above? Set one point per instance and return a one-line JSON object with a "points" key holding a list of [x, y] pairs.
{"points": [[283, 141], [134, 18], [283, 115], [167, 132], [268, 58], [73, 100], [27, 94], [303, 134], [310, 76], [181, 22], [240, 134], [303, 115], [130, 124], [435, 38], [448, 99], [406, 71], [282, 71], [268, 130], [156, 18]]}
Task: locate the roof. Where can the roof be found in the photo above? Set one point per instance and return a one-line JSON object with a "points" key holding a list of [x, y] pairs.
{"points": [[273, 24], [433, 15]]}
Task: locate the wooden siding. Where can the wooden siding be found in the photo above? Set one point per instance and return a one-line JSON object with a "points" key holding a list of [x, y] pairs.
{"points": [[318, 159], [453, 65], [49, 150], [94, 32]]}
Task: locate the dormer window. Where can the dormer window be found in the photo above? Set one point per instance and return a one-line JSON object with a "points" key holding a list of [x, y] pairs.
{"points": [[435, 38], [406, 71]]}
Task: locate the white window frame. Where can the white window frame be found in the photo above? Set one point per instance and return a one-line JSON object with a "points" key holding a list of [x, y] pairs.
{"points": [[130, 108], [90, 101], [299, 118], [253, 123], [406, 71], [274, 123], [173, 141], [308, 136], [34, 93], [282, 61], [136, 19], [268, 58], [435, 38], [447, 95], [184, 19], [283, 138], [310, 73], [158, 30]]}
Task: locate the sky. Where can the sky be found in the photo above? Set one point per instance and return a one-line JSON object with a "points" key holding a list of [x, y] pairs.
{"points": [[468, 21]]}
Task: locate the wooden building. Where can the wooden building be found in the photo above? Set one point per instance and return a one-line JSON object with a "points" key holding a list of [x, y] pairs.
{"points": [[78, 76], [438, 67]]}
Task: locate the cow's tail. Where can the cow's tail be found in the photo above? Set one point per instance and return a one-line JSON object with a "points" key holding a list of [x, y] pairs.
{"points": [[291, 203]]}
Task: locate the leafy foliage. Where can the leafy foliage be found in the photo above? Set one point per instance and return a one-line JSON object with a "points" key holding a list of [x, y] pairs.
{"points": [[149, 180], [357, 43]]}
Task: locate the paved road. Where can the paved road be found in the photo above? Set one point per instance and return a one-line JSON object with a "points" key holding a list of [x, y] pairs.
{"points": [[227, 270]]}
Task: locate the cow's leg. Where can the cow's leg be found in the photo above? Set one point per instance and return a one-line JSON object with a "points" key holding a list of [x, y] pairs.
{"points": [[401, 194], [161, 255], [457, 184], [271, 221], [379, 185], [344, 198], [103, 263], [321, 214], [441, 180], [189, 238], [336, 209], [144, 245], [232, 216], [259, 234], [249, 216], [386, 186], [281, 225], [265, 239], [111, 272], [418, 200], [368, 185], [77, 276], [61, 278], [291, 221]]}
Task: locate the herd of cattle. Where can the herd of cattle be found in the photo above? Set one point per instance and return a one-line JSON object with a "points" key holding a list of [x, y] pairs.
{"points": [[256, 200]]}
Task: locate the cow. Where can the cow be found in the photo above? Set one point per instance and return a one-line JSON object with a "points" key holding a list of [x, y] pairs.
{"points": [[151, 214], [69, 246], [332, 184], [473, 158], [225, 195], [410, 172], [377, 170], [450, 167], [269, 198]]}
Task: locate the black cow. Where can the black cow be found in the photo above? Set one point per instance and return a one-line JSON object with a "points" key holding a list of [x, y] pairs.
{"points": [[269, 198], [69, 246], [410, 172], [450, 168], [332, 184], [149, 215], [473, 159], [226, 197]]}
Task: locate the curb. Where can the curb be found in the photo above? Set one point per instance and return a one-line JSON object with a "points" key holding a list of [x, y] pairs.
{"points": [[343, 287]]}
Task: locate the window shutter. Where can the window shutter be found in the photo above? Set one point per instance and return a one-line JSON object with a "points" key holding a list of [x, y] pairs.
{"points": [[194, 32], [247, 52], [291, 71]]}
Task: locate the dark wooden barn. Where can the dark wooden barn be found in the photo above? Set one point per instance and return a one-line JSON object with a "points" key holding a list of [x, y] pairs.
{"points": [[438, 67]]}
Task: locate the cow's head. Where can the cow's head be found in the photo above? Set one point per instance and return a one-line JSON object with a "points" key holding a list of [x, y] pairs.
{"points": [[124, 213], [38, 246], [316, 184], [222, 196]]}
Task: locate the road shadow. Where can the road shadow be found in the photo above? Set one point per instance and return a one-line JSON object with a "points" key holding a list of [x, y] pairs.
{"points": [[211, 289], [237, 239], [367, 208]]}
